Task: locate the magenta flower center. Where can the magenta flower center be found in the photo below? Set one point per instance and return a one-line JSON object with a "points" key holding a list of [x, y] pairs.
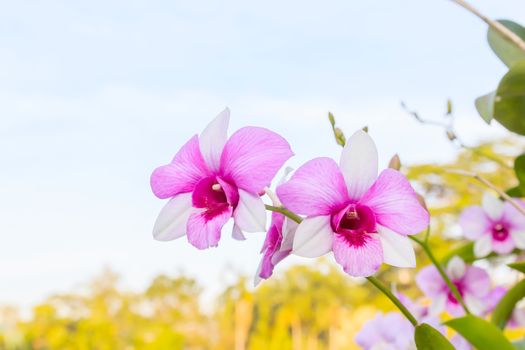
{"points": [[451, 296], [500, 232], [214, 196], [354, 223]]}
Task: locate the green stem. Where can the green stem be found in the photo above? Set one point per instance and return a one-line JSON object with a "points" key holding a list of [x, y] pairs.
{"points": [[392, 298], [442, 272], [285, 212]]}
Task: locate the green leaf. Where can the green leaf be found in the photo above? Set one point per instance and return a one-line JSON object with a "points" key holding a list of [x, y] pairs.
{"points": [[485, 106], [509, 103], [503, 311], [508, 52], [515, 191], [519, 168], [518, 266], [465, 252], [480, 333], [428, 338]]}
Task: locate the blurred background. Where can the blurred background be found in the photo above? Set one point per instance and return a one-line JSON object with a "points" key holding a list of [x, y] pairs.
{"points": [[95, 94]]}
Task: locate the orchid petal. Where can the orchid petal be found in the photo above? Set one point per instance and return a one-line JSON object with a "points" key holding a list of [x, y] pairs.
{"points": [[397, 249], [492, 206], [512, 216], [456, 268], [182, 174], [430, 281], [172, 219], [213, 139], [438, 304], [519, 238], [395, 203], [237, 233], [313, 237], [359, 164], [483, 246], [204, 232], [476, 281], [474, 222], [358, 261], [252, 156], [316, 188], [505, 246], [250, 214]]}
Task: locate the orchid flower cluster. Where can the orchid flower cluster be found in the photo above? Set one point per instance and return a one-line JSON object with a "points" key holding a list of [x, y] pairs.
{"points": [[364, 217]]}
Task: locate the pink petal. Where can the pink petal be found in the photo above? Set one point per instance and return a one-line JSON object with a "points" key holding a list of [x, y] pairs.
{"points": [[204, 232], [171, 222], [237, 233], [503, 247], [316, 188], [358, 261], [430, 282], [313, 237], [474, 222], [476, 281], [456, 268], [492, 205], [182, 174], [213, 138], [250, 214], [252, 156], [397, 249], [359, 164], [483, 246], [513, 216], [395, 204]]}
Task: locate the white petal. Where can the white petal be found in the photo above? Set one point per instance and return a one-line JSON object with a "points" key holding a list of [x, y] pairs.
{"points": [[257, 279], [288, 230], [313, 237], [492, 206], [359, 163], [213, 138], [483, 246], [172, 219], [438, 305], [237, 233], [456, 268], [518, 237], [250, 214], [397, 249], [475, 305]]}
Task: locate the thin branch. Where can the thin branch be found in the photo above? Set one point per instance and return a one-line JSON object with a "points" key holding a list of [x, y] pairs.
{"points": [[498, 27], [490, 185], [285, 212], [393, 298]]}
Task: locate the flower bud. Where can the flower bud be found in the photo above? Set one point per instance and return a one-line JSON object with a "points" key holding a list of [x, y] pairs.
{"points": [[395, 162]]}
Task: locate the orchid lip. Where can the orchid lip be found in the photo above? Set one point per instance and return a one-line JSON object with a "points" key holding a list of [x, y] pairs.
{"points": [[500, 232], [355, 223]]}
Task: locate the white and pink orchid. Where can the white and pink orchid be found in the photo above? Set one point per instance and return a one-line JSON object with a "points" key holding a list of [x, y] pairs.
{"points": [[213, 178], [495, 226], [364, 219], [472, 283], [391, 331]]}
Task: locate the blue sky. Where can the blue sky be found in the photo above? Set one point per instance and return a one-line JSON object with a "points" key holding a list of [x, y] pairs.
{"points": [[95, 94]]}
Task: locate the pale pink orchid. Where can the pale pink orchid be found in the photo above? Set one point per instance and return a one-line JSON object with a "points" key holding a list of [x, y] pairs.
{"points": [[212, 179], [277, 245], [364, 219], [495, 226], [472, 283], [391, 331]]}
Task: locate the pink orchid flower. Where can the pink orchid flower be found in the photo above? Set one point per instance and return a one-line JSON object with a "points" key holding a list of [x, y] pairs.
{"points": [[391, 331], [277, 245], [213, 178], [473, 284], [362, 218], [495, 226]]}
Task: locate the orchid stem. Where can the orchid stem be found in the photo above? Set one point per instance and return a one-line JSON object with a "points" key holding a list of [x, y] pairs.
{"points": [[498, 27], [442, 272], [285, 212], [379, 285], [490, 185]]}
